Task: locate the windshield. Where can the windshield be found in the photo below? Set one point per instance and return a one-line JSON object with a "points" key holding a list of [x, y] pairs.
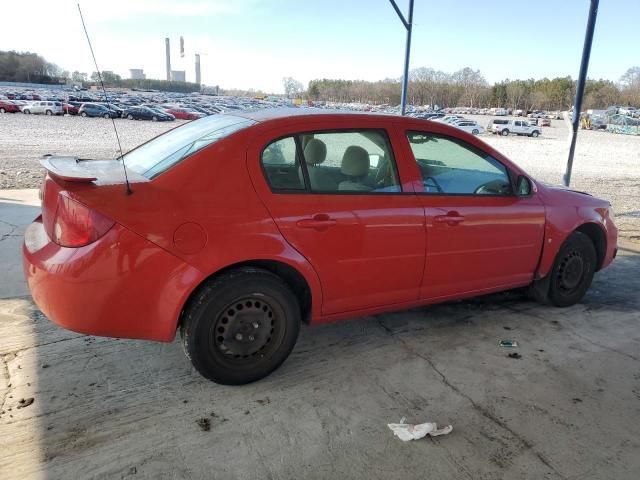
{"points": [[161, 153]]}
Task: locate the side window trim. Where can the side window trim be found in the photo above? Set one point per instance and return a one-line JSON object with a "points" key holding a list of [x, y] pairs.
{"points": [[478, 151]]}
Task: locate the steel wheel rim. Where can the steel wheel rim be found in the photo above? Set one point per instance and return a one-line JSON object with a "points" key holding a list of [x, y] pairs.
{"points": [[247, 330], [572, 271]]}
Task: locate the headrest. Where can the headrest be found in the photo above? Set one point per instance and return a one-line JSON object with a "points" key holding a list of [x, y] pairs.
{"points": [[355, 162], [315, 152]]}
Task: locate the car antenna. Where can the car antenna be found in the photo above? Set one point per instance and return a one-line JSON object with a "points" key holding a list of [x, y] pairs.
{"points": [[126, 178]]}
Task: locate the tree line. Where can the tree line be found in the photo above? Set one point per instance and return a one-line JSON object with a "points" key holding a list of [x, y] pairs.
{"points": [[27, 67], [467, 87]]}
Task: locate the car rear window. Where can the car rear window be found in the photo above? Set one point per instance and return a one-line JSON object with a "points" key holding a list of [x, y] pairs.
{"points": [[161, 153]]}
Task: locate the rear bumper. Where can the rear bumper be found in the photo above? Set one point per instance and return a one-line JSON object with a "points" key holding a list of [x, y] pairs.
{"points": [[119, 286]]}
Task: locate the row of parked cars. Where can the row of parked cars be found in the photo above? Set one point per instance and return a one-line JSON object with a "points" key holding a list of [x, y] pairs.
{"points": [[134, 105]]}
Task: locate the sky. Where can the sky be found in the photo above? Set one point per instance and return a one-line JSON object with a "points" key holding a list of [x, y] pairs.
{"points": [[255, 43]]}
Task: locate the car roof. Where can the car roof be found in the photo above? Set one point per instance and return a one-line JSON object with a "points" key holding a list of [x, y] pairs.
{"points": [[268, 114]]}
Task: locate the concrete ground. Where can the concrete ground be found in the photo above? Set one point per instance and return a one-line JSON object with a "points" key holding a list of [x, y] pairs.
{"points": [[105, 408]]}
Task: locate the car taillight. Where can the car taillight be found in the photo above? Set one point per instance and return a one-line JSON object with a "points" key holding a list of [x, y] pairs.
{"points": [[75, 225]]}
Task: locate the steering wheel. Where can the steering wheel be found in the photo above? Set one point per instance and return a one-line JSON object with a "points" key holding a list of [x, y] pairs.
{"points": [[436, 185], [382, 173]]}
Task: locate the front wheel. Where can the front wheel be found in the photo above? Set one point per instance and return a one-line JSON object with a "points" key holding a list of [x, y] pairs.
{"points": [[106, 115], [240, 326], [154, 119], [83, 114], [27, 112], [535, 133], [504, 132], [130, 117], [475, 131], [572, 272], [2, 110], [48, 113]]}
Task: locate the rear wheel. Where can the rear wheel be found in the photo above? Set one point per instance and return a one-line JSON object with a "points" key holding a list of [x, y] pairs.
{"points": [[571, 275], [504, 132], [83, 114], [240, 326], [130, 117], [154, 119], [26, 111], [106, 115], [475, 131], [49, 112], [2, 110]]}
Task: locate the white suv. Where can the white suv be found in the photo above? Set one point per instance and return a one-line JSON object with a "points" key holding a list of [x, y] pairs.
{"points": [[518, 127], [48, 108]]}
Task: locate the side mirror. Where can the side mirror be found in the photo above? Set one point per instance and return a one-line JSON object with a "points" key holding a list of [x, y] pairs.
{"points": [[524, 188]]}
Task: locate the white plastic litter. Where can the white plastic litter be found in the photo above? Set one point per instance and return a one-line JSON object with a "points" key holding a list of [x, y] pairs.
{"points": [[407, 431]]}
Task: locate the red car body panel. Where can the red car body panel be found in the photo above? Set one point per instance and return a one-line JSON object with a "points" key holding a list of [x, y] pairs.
{"points": [[215, 210]]}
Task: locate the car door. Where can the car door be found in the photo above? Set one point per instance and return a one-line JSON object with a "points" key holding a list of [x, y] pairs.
{"points": [[480, 235], [336, 197]]}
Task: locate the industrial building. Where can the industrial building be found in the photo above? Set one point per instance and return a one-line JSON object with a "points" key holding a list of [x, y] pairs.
{"points": [[137, 74]]}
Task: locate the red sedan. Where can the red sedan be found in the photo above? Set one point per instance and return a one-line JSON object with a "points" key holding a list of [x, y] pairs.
{"points": [[184, 114], [239, 227], [7, 106]]}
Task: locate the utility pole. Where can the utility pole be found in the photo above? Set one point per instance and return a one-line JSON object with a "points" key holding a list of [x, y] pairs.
{"points": [[408, 24], [582, 78]]}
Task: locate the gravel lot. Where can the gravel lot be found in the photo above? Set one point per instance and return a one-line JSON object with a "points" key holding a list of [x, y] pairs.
{"points": [[605, 165]]}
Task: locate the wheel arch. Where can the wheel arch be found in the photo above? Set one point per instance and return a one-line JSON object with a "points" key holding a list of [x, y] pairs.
{"points": [[295, 280], [597, 235]]}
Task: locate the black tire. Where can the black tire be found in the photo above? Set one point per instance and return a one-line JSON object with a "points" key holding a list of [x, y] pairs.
{"points": [[475, 131], [504, 132], [130, 117], [572, 271], [154, 119], [48, 112], [106, 115], [535, 133], [2, 110], [240, 326], [83, 114], [27, 111]]}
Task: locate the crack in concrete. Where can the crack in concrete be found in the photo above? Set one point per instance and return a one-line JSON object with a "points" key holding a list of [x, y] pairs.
{"points": [[20, 350], [479, 408], [5, 365]]}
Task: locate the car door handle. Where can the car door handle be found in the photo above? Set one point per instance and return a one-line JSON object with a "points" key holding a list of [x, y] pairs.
{"points": [[451, 218], [319, 221]]}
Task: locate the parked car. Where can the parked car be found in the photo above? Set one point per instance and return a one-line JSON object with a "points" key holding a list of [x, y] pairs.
{"points": [[147, 113], [184, 114], [96, 110], [517, 127], [470, 126], [44, 107], [545, 122], [237, 229], [8, 106], [70, 108]]}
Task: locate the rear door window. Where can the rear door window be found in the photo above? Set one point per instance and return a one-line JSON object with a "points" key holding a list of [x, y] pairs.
{"points": [[281, 165]]}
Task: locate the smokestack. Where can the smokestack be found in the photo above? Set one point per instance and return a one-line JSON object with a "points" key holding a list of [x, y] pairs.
{"points": [[198, 68], [181, 47], [166, 42]]}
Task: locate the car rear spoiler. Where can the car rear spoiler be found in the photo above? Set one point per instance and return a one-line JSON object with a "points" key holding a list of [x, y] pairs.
{"points": [[74, 169]]}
